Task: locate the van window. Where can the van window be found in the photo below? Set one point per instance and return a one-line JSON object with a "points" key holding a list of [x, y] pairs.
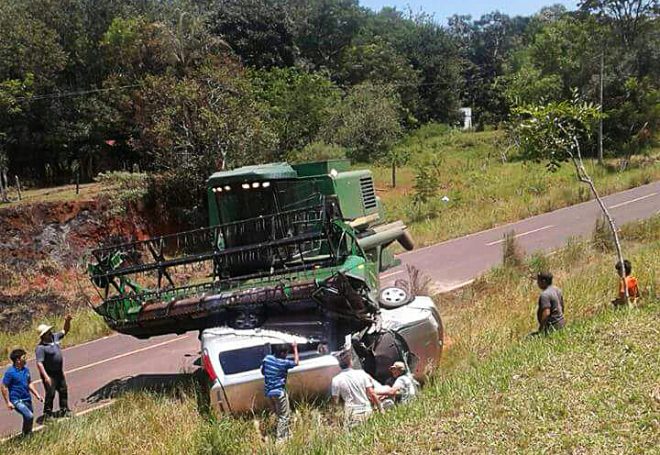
{"points": [[241, 360]]}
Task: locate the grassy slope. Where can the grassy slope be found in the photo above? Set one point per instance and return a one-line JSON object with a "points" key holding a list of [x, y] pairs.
{"points": [[484, 192], [592, 387]]}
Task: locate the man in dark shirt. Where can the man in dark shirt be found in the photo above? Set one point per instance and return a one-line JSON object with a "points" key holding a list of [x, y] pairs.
{"points": [[16, 388], [51, 367], [550, 313]]}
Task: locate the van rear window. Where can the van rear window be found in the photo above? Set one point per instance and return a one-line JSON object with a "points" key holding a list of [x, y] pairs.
{"points": [[241, 360]]}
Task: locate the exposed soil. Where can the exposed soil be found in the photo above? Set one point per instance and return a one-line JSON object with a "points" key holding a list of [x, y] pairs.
{"points": [[42, 246]]}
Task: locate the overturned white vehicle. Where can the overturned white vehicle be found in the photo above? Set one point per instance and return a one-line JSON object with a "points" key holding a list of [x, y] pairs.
{"points": [[232, 358]]}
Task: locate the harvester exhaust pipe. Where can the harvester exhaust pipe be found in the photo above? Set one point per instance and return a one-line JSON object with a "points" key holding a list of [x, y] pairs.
{"points": [[386, 234]]}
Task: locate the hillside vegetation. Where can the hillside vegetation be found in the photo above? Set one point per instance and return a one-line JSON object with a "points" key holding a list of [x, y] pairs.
{"points": [[591, 388], [487, 184]]}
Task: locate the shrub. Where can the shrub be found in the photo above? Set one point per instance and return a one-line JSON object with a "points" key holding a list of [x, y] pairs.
{"points": [[602, 238], [512, 254], [317, 151], [124, 189]]}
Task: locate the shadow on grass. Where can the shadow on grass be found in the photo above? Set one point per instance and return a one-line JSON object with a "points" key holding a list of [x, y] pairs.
{"points": [[179, 385]]}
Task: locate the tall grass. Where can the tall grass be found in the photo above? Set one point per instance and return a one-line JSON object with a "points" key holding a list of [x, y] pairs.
{"points": [[85, 326], [483, 190], [588, 389]]}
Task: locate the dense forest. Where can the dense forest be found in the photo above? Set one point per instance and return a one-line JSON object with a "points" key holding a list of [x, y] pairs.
{"points": [[186, 87]]}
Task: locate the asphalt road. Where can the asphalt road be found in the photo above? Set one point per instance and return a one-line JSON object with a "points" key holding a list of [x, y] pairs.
{"points": [[100, 370]]}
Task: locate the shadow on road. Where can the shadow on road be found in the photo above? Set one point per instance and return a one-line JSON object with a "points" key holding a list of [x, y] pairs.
{"points": [[180, 386]]}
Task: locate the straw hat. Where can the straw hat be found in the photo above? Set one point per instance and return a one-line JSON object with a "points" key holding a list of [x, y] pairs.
{"points": [[44, 329]]}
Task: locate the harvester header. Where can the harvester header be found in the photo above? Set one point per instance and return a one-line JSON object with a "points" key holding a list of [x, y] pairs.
{"points": [[283, 240]]}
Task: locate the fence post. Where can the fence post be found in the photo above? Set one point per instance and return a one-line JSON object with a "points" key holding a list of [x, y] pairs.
{"points": [[18, 187]]}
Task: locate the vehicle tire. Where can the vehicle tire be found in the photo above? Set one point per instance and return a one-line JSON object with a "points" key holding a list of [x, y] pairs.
{"points": [[245, 319], [393, 297]]}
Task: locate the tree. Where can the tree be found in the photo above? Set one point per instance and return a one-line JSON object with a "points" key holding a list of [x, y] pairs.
{"points": [[323, 28], [299, 104], [366, 122], [553, 132], [189, 128], [259, 31]]}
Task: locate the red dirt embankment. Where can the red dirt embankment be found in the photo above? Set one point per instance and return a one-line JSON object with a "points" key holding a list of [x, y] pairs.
{"points": [[41, 246]]}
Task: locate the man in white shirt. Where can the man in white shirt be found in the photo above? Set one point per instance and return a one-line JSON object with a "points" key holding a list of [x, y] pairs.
{"points": [[403, 389], [356, 390]]}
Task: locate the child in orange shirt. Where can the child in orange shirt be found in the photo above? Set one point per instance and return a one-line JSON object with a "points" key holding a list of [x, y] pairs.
{"points": [[630, 283]]}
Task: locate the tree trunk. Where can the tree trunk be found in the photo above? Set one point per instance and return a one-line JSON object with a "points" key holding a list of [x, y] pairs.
{"points": [[584, 177], [600, 121], [617, 242], [393, 173], [6, 184], [3, 191]]}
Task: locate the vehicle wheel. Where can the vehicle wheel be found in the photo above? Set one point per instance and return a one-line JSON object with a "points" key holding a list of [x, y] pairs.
{"points": [[393, 297], [244, 320]]}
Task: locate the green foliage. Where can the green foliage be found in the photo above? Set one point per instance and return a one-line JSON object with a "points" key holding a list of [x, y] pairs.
{"points": [[366, 122], [427, 178], [125, 190], [259, 31], [299, 103], [316, 151], [549, 132]]}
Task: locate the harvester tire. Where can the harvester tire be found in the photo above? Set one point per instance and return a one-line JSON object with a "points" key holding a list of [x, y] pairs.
{"points": [[393, 297], [245, 319]]}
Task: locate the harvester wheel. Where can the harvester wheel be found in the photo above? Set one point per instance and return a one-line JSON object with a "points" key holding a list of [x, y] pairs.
{"points": [[393, 297]]}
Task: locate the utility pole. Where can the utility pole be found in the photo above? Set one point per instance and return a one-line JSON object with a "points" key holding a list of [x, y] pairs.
{"points": [[600, 121]]}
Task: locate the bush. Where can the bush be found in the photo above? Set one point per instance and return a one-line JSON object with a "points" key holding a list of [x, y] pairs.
{"points": [[602, 238], [512, 254], [366, 122], [317, 151], [124, 189]]}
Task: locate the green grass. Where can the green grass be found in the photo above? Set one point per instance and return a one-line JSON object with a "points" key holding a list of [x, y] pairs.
{"points": [[61, 193], [591, 389], [484, 191], [85, 326]]}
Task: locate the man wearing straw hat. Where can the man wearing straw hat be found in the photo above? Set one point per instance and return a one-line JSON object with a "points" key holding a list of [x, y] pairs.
{"points": [[51, 367]]}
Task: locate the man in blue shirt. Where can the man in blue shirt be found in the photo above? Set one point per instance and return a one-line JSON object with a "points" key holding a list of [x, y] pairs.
{"points": [[275, 368], [16, 388]]}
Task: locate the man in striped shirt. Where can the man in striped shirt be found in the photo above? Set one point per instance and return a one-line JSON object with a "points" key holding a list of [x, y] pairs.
{"points": [[275, 368]]}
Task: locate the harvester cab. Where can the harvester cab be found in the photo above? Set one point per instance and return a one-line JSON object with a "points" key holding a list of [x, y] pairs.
{"points": [[284, 241]]}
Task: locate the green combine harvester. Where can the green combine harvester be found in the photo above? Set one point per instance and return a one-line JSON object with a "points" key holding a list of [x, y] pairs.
{"points": [[284, 241]]}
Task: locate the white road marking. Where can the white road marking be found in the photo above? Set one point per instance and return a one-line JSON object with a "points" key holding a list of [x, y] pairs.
{"points": [[121, 356], [641, 198], [549, 226]]}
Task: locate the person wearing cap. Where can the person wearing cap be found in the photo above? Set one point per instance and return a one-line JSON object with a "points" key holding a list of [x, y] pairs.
{"points": [[403, 389], [51, 367], [16, 388], [356, 389], [550, 312]]}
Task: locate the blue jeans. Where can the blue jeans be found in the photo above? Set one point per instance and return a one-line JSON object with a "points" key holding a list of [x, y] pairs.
{"points": [[24, 408]]}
